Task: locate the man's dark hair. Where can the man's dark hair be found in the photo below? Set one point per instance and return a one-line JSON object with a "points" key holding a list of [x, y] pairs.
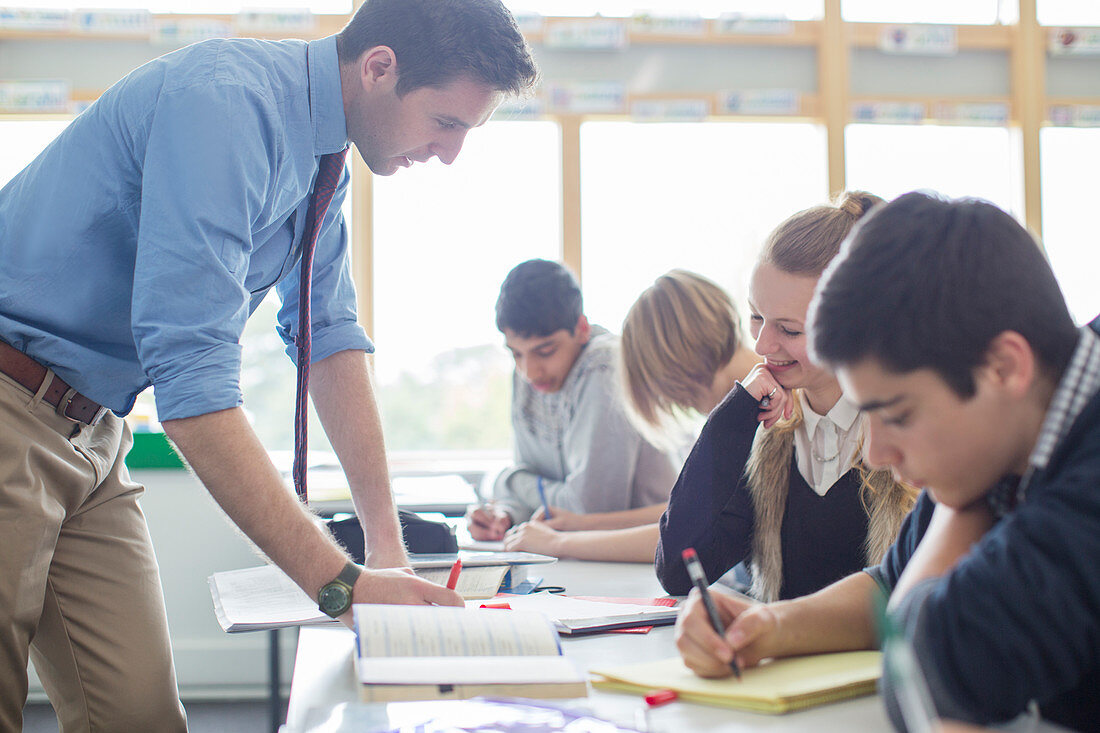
{"points": [[438, 41], [926, 282], [539, 297]]}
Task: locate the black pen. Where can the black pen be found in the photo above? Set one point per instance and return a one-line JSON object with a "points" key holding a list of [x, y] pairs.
{"points": [[699, 578]]}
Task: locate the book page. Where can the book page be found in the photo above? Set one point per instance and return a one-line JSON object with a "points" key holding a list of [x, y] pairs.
{"points": [[473, 583], [437, 631]]}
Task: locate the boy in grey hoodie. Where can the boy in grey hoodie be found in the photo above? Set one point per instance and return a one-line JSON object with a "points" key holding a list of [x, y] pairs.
{"points": [[573, 442]]}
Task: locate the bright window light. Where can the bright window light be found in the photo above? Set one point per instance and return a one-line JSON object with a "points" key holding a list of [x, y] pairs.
{"points": [[1069, 221], [444, 238], [697, 196], [890, 160]]}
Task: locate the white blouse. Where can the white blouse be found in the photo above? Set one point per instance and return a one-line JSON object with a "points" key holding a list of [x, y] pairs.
{"points": [[824, 445]]}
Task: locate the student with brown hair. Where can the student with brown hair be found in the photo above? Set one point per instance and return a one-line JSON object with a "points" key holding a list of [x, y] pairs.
{"points": [[777, 476], [682, 350]]}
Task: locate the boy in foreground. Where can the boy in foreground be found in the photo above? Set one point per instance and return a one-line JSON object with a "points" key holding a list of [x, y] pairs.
{"points": [[946, 326], [574, 446]]}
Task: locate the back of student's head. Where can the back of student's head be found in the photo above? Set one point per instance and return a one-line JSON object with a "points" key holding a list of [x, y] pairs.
{"points": [[928, 282], [808, 241], [438, 41], [539, 297], [676, 337]]}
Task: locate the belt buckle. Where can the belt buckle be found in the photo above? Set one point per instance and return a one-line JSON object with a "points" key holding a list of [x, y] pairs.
{"points": [[65, 401]]}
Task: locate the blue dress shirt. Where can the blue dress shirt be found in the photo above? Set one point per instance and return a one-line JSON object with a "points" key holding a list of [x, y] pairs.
{"points": [[136, 245]]}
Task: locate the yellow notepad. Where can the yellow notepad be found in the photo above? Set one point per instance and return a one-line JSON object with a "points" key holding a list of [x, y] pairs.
{"points": [[778, 686]]}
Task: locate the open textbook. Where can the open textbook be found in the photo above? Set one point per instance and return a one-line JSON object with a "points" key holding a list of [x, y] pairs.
{"points": [[436, 652], [777, 686]]}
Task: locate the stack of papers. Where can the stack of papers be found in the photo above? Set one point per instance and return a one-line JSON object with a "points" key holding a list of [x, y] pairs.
{"points": [[576, 617]]}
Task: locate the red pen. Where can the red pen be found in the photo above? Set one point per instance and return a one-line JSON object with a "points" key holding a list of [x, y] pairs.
{"points": [[452, 579]]}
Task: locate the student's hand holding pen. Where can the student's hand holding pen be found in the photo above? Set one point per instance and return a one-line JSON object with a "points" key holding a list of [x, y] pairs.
{"points": [[775, 401], [751, 633], [533, 537], [560, 519], [487, 522]]}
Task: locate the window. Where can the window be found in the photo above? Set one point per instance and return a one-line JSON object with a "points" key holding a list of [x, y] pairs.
{"points": [[1068, 12], [930, 11], [23, 139], [890, 160], [443, 241], [793, 9], [194, 6], [1069, 223], [697, 196]]}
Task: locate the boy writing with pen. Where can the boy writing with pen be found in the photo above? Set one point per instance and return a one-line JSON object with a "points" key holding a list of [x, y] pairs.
{"points": [[574, 446], [946, 326]]}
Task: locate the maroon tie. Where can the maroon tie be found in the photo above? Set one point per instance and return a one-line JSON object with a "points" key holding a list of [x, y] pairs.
{"points": [[332, 165]]}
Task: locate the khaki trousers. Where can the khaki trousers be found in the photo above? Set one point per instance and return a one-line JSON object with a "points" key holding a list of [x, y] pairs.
{"points": [[79, 585]]}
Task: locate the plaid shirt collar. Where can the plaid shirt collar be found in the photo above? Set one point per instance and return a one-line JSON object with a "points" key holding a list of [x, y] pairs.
{"points": [[1079, 384]]}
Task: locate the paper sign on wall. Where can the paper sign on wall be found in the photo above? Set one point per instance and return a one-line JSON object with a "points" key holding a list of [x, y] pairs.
{"points": [[888, 112], [594, 34], [1074, 42], [668, 24], [991, 114], [1075, 115], [751, 25], [50, 95], [669, 110], [761, 102], [182, 31], [259, 20], [29, 19], [112, 22], [919, 40], [594, 97]]}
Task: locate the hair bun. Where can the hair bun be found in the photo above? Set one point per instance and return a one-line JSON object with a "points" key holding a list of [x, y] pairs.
{"points": [[857, 203]]}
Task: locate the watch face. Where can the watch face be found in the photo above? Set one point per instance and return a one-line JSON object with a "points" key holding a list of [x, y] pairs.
{"points": [[335, 599]]}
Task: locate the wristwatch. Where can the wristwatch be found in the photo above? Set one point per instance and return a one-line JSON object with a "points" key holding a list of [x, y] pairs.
{"points": [[334, 598]]}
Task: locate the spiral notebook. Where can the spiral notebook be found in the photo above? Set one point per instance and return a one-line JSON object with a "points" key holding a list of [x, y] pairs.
{"points": [[777, 686]]}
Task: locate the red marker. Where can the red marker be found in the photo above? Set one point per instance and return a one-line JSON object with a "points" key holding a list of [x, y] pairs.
{"points": [[452, 579]]}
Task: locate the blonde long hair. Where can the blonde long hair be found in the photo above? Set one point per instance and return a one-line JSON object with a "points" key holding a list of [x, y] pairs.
{"points": [[676, 337], [804, 244]]}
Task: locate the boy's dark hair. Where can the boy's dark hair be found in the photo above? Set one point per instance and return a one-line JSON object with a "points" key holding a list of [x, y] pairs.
{"points": [[539, 297], [926, 282], [437, 41]]}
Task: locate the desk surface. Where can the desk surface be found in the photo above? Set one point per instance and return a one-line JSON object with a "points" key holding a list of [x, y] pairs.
{"points": [[324, 675]]}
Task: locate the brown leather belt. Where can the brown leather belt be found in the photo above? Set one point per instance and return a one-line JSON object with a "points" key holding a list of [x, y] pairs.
{"points": [[66, 400]]}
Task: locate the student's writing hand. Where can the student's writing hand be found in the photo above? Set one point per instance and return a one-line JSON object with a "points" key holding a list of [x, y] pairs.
{"points": [[399, 586], [560, 519], [775, 401], [750, 629], [533, 537], [488, 523]]}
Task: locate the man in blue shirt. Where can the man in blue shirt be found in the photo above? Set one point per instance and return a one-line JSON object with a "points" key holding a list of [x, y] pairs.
{"points": [[134, 248]]}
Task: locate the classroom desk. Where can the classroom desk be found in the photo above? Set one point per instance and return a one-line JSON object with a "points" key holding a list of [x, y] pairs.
{"points": [[324, 675]]}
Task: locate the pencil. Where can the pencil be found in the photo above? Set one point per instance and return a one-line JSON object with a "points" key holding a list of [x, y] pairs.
{"points": [[699, 578]]}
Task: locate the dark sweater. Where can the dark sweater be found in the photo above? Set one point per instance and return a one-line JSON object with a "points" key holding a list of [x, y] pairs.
{"points": [[711, 510], [1018, 618]]}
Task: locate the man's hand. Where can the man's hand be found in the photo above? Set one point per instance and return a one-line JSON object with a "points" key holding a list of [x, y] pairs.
{"points": [[487, 523], [751, 633], [399, 586], [533, 537]]}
